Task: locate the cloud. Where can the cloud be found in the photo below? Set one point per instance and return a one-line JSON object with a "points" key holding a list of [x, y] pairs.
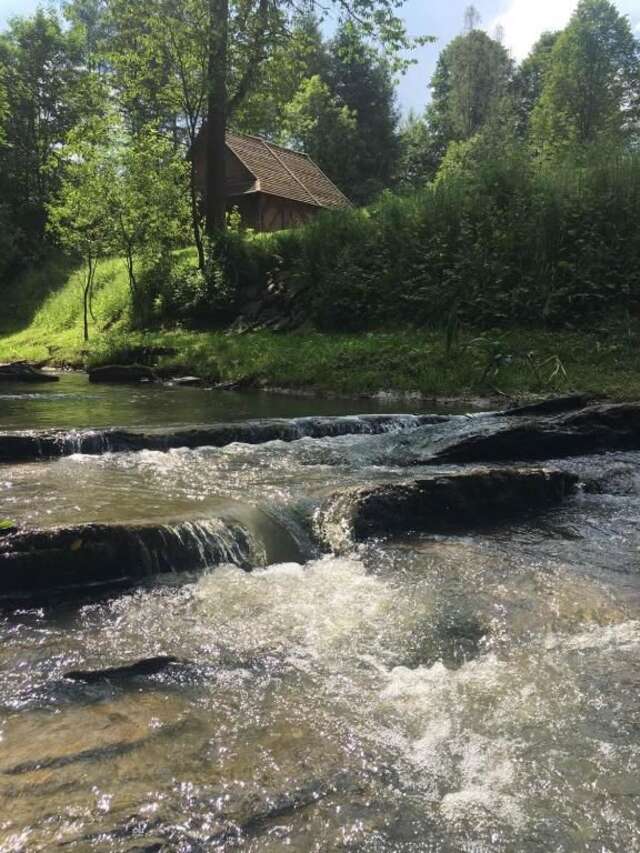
{"points": [[524, 21]]}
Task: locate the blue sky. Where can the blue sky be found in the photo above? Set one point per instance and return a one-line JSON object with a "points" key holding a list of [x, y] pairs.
{"points": [[522, 21]]}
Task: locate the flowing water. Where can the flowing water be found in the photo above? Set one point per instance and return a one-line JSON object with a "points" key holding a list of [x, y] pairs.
{"points": [[476, 692]]}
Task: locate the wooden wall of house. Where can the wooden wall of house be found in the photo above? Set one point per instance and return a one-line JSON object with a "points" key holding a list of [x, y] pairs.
{"points": [[238, 177], [279, 213], [270, 213]]}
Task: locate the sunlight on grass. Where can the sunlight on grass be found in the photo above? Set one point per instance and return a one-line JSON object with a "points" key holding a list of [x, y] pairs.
{"points": [[44, 323]]}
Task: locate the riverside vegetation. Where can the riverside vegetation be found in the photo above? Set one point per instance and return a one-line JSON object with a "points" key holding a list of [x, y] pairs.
{"points": [[511, 278]]}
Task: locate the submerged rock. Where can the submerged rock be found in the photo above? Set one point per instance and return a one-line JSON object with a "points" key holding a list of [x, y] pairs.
{"points": [[146, 666], [595, 429], [64, 560], [444, 502], [550, 406], [123, 373], [24, 446], [22, 371], [95, 754]]}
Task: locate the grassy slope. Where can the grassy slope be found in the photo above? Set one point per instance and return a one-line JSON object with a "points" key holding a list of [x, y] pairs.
{"points": [[42, 320]]}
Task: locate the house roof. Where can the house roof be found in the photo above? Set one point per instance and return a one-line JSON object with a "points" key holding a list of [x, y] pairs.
{"points": [[282, 172]]}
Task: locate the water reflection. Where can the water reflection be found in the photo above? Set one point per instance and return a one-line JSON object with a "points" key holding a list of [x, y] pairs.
{"points": [[74, 403]]}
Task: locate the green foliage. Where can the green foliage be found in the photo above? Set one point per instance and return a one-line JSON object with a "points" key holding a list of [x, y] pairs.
{"points": [[297, 55], [321, 125], [495, 241], [591, 93], [46, 322], [7, 526], [529, 79], [120, 195], [44, 319], [417, 162], [472, 76], [335, 99], [362, 79], [43, 92]]}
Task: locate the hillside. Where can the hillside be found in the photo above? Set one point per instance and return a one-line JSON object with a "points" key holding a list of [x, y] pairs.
{"points": [[43, 323]]}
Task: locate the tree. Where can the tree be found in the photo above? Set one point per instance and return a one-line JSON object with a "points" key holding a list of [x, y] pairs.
{"points": [[318, 123], [81, 215], [158, 55], [591, 92], [44, 84], [416, 163], [122, 194], [148, 202], [89, 23], [530, 77], [472, 76], [361, 78], [292, 61], [305, 74]]}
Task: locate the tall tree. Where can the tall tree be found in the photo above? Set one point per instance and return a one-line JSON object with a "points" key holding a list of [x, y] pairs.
{"points": [[80, 213], [472, 76], [361, 78], [591, 92], [89, 22], [43, 80], [158, 54], [293, 60], [530, 77], [320, 124]]}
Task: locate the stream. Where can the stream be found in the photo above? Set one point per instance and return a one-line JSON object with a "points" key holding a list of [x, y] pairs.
{"points": [[472, 691]]}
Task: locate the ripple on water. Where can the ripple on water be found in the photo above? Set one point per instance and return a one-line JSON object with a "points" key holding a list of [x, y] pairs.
{"points": [[430, 693]]}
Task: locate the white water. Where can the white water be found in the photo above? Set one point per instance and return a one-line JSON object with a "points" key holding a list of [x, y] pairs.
{"points": [[469, 693]]}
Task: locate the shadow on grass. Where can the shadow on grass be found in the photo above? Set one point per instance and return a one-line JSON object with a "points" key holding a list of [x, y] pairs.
{"points": [[26, 293]]}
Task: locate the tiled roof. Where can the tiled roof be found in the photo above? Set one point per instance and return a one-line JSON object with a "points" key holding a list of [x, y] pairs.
{"points": [[285, 173]]}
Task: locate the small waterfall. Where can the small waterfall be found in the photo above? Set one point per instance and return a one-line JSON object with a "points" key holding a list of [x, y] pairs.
{"points": [[83, 556], [25, 446]]}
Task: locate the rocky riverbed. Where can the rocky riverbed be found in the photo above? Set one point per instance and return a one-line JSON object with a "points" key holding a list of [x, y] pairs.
{"points": [[383, 632]]}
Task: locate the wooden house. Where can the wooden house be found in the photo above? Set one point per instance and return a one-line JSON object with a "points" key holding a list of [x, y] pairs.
{"points": [[272, 187]]}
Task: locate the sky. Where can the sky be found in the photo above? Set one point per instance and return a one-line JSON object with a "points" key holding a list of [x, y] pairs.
{"points": [[521, 21]]}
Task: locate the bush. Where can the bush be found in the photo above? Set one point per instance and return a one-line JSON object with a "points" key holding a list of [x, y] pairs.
{"points": [[495, 241], [505, 244]]}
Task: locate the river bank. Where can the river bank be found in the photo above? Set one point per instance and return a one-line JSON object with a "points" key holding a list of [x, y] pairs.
{"points": [[399, 364], [42, 323]]}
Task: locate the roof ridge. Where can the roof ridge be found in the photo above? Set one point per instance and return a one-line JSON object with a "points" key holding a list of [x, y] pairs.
{"points": [[293, 175]]}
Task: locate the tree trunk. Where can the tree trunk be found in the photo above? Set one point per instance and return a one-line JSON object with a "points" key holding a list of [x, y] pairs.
{"points": [[195, 217], [216, 116], [86, 296]]}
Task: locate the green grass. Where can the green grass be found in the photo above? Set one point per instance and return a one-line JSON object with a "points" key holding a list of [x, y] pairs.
{"points": [[42, 316], [43, 321]]}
